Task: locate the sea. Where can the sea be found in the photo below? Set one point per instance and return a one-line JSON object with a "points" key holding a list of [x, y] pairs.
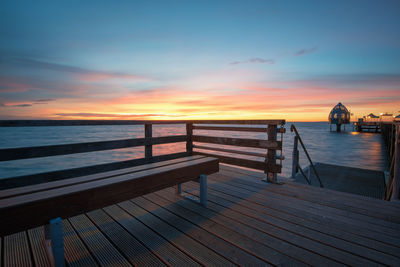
{"points": [[347, 148]]}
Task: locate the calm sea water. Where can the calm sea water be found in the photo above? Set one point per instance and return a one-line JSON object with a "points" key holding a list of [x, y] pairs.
{"points": [[363, 150]]}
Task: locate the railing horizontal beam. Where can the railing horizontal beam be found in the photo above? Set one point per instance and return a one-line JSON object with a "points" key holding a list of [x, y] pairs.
{"points": [[277, 145], [222, 128], [29, 123], [254, 154], [65, 149], [252, 164]]}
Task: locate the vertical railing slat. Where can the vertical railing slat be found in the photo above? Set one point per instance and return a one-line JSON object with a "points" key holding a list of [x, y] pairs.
{"points": [[148, 134], [189, 140], [271, 154]]}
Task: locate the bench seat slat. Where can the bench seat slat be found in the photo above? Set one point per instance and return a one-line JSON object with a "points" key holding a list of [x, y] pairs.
{"points": [[82, 179], [25, 211]]}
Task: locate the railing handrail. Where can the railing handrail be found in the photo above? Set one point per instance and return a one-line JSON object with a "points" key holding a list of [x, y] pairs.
{"points": [[36, 123], [293, 128]]}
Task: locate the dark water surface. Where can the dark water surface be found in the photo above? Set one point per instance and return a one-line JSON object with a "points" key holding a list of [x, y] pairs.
{"points": [[363, 150]]}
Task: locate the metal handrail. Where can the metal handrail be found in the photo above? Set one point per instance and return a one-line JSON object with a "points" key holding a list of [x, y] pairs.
{"points": [[295, 158]]}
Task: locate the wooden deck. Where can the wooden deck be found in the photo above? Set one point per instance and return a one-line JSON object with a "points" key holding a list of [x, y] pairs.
{"points": [[247, 222]]}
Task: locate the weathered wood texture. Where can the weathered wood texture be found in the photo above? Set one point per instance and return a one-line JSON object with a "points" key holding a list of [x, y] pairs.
{"points": [[28, 123], [56, 150], [256, 143], [247, 223], [247, 163], [74, 172], [234, 129], [29, 210], [232, 151]]}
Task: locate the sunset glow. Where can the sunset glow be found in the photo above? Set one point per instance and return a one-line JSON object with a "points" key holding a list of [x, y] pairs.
{"points": [[225, 60]]}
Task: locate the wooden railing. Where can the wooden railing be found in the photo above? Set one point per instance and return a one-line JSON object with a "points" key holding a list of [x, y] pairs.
{"points": [[391, 136], [269, 146]]}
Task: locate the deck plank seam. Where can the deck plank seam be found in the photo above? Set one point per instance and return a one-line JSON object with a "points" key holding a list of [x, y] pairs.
{"points": [[83, 243], [219, 236], [302, 235], [211, 191], [147, 247], [342, 213], [343, 225], [111, 242], [184, 233], [288, 240], [253, 240], [173, 244]]}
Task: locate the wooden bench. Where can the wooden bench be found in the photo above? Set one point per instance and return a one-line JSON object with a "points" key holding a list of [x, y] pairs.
{"points": [[30, 206]]}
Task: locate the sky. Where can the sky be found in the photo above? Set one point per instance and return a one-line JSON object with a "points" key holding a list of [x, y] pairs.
{"points": [[290, 60]]}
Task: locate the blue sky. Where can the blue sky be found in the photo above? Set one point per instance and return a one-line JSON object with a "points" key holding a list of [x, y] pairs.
{"points": [[264, 58]]}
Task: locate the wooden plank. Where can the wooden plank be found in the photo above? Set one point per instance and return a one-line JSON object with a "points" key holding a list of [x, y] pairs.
{"points": [[359, 200], [226, 249], [30, 123], [374, 248], [324, 244], [36, 236], [313, 212], [76, 253], [16, 250], [253, 164], [300, 248], [389, 215], [257, 143], [224, 229], [251, 122], [25, 180], [191, 247], [226, 128], [80, 198], [159, 246], [83, 179], [133, 250], [248, 153], [377, 225], [65, 149], [99, 246]]}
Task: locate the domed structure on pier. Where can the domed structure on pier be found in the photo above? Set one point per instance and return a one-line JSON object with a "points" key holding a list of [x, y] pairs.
{"points": [[339, 115]]}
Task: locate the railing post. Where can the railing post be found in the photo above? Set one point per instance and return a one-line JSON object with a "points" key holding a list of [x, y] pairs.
{"points": [[396, 173], [295, 156], [189, 139], [271, 159], [148, 134]]}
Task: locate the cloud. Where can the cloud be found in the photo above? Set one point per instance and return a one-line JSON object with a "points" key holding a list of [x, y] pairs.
{"points": [[15, 105], [45, 100], [108, 115], [305, 51], [254, 60], [82, 73], [24, 105]]}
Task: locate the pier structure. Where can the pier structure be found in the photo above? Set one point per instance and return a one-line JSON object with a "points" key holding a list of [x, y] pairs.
{"points": [[247, 221]]}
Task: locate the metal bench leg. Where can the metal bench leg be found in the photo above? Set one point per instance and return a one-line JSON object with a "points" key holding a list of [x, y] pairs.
{"points": [[54, 238], [202, 200], [178, 189], [203, 190]]}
